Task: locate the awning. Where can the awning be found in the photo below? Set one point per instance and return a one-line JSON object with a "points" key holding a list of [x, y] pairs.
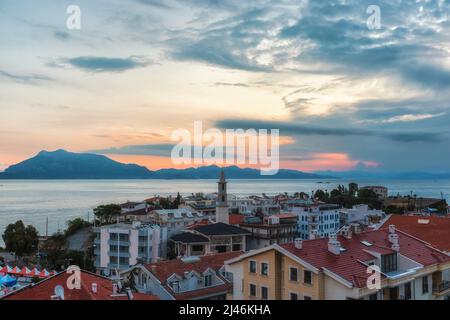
{"points": [[8, 281]]}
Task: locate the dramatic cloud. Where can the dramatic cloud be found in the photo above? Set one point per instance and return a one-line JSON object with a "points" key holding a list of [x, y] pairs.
{"points": [[162, 150], [103, 64], [26, 79], [300, 129]]}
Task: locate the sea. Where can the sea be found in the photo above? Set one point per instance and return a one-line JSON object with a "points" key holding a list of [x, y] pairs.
{"points": [[35, 201]]}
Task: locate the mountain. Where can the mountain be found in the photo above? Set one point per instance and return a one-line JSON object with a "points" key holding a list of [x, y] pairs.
{"points": [[61, 164], [233, 172], [385, 175]]}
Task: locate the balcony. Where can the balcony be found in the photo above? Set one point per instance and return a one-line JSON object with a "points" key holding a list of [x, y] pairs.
{"points": [[121, 254], [119, 243], [441, 288], [119, 267]]}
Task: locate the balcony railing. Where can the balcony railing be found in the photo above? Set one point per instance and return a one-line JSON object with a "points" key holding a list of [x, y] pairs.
{"points": [[441, 287]]}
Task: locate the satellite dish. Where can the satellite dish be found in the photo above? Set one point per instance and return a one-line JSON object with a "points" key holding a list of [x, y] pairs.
{"points": [[59, 292]]}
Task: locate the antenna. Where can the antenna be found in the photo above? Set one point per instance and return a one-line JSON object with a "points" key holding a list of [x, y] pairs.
{"points": [[59, 292]]}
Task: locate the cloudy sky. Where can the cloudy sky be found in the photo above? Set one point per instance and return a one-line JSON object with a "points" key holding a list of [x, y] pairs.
{"points": [[343, 95]]}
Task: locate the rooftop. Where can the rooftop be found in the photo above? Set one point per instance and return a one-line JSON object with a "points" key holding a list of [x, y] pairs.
{"points": [[220, 229], [44, 290], [349, 263], [189, 237], [165, 269], [434, 230]]}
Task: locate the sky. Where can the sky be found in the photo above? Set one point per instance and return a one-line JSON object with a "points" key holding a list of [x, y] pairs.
{"points": [[344, 96]]}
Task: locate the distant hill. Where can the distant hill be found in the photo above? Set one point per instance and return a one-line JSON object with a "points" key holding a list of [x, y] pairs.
{"points": [[385, 175], [61, 164]]}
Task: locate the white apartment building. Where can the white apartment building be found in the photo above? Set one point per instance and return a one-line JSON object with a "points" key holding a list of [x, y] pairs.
{"points": [[248, 206], [119, 246], [359, 214], [177, 220], [317, 221]]}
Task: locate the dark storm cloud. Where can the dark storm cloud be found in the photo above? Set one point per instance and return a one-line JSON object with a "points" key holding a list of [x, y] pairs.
{"points": [[106, 64], [302, 129]]}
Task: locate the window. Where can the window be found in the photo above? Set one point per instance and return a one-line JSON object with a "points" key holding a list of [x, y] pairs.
{"points": [[264, 293], [408, 293], [293, 296], [264, 269], [389, 263], [252, 266], [293, 274], [307, 298], [208, 280], [307, 277], [252, 290], [425, 287]]}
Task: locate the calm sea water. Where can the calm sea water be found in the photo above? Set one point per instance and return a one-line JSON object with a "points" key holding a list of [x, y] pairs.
{"points": [[34, 200]]}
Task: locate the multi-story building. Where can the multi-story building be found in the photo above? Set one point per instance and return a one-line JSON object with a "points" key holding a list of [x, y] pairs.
{"points": [[319, 220], [342, 267], [278, 228], [189, 278], [210, 238], [119, 246], [176, 220], [382, 192], [360, 214]]}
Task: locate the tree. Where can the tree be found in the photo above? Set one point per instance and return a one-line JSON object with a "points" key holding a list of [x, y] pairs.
{"points": [[352, 189], [107, 213], [322, 196], [54, 248], [75, 225], [20, 239]]}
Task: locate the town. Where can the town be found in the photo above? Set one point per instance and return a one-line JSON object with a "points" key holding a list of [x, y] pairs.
{"points": [[220, 246]]}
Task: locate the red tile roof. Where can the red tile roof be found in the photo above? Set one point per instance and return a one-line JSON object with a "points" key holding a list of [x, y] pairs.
{"points": [[236, 219], [349, 263], [45, 289], [164, 269], [436, 232]]}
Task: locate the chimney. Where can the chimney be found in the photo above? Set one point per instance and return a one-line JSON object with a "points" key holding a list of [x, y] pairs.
{"points": [[130, 294], [298, 243], [334, 246], [313, 235], [356, 228], [391, 228], [115, 288], [153, 267], [94, 288], [347, 232]]}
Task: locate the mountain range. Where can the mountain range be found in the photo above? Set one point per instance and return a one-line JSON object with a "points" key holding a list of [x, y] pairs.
{"points": [[61, 164]]}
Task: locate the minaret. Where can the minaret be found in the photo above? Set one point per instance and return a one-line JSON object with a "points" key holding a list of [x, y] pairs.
{"points": [[222, 214]]}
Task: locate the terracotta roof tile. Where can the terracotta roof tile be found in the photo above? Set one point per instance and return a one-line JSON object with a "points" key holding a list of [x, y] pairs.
{"points": [[349, 263], [164, 269], [434, 230], [45, 289]]}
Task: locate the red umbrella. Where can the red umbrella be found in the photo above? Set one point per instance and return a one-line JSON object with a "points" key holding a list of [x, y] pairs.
{"points": [[44, 274], [16, 270], [25, 271], [34, 273], [6, 269]]}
